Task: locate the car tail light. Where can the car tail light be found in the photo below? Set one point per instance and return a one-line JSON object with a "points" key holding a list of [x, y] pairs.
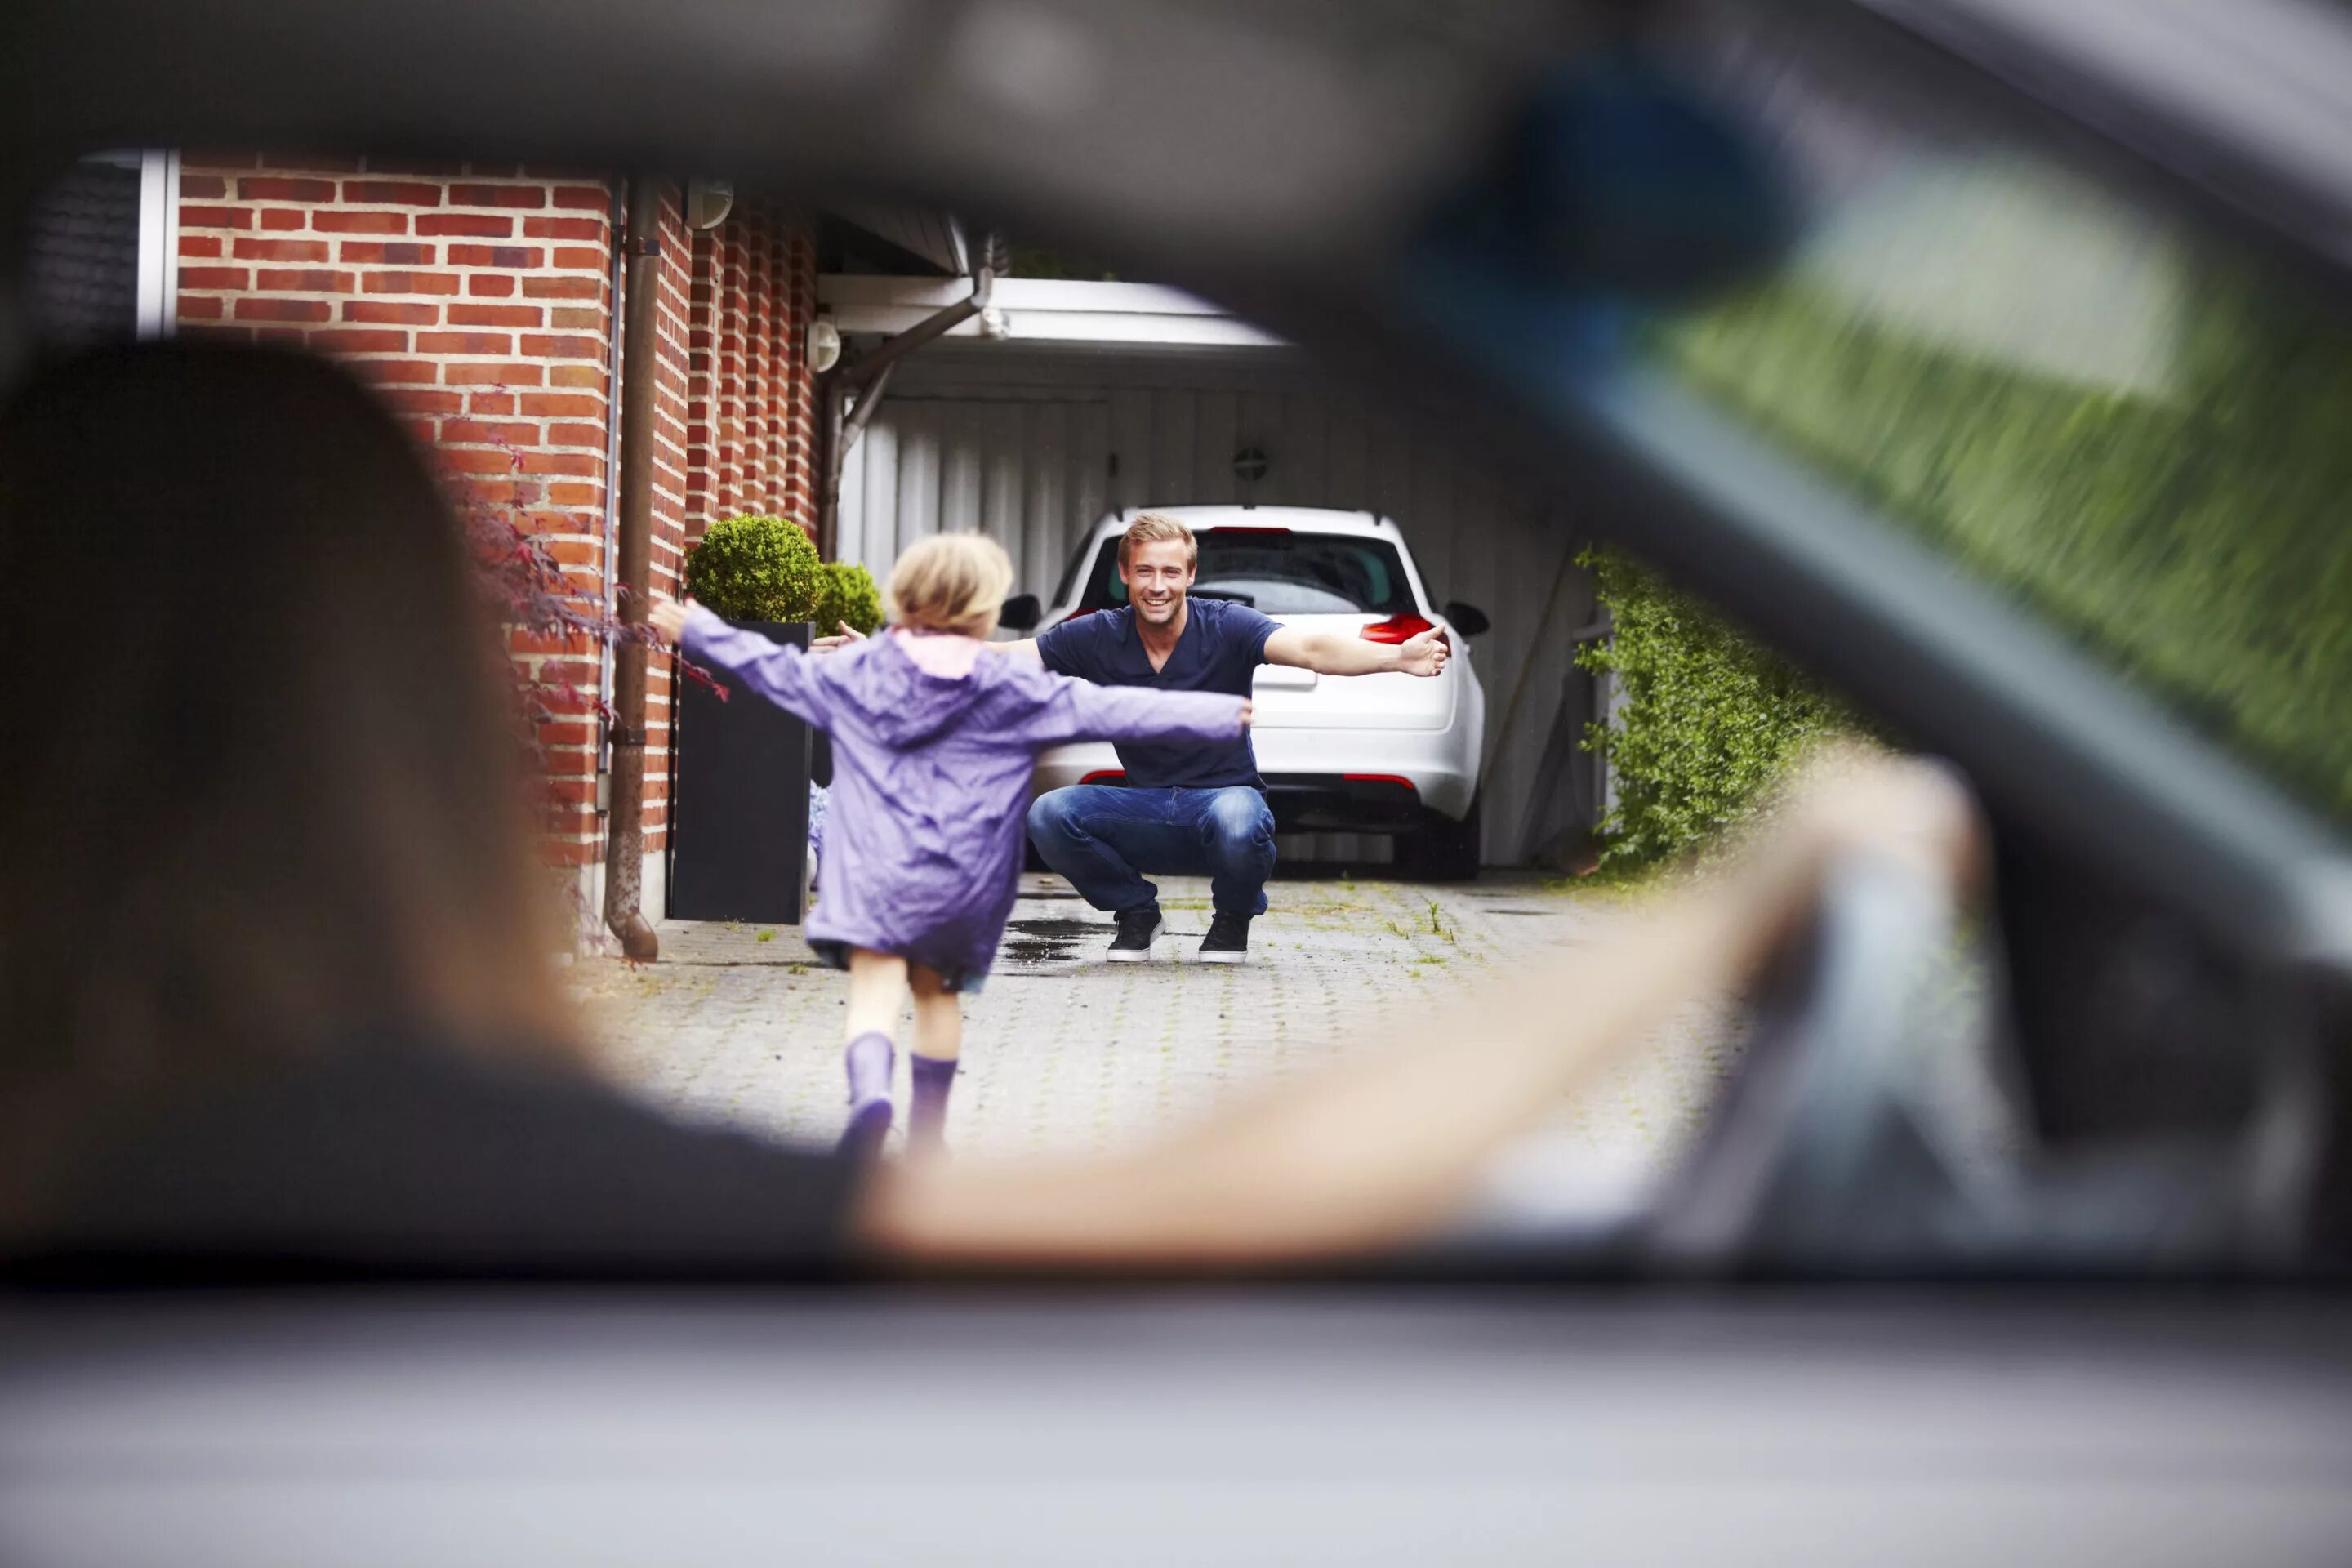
{"points": [[1400, 629], [1397, 779], [1106, 776]]}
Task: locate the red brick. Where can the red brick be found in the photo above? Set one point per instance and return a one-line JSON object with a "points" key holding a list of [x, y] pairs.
{"points": [[252, 310], [391, 312], [464, 343], [577, 258], [594, 198], [411, 371], [387, 253], [564, 288], [495, 315], [281, 249], [586, 375], [304, 281], [490, 285], [200, 308], [393, 193], [482, 226], [405, 282], [202, 187], [422, 400], [215, 217], [561, 405], [483, 431], [576, 318], [575, 495], [360, 341], [579, 465], [199, 245], [279, 188], [216, 277], [510, 257], [575, 435], [468, 373], [567, 345], [477, 460], [281, 219], [335, 222], [497, 196], [498, 403], [563, 228]]}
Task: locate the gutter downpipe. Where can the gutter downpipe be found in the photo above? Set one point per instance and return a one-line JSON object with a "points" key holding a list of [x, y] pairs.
{"points": [[872, 374], [607, 601], [625, 839]]}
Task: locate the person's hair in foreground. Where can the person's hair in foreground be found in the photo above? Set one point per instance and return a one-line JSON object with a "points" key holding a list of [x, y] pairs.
{"points": [[262, 788], [262, 803]]}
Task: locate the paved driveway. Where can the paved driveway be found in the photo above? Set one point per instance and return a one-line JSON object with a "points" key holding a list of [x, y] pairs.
{"points": [[1064, 1051]]}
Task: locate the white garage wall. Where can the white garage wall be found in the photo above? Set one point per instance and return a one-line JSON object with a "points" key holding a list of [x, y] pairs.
{"points": [[1032, 450]]}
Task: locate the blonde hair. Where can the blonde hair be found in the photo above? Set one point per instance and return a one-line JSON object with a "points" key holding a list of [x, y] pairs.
{"points": [[1152, 528], [950, 583]]}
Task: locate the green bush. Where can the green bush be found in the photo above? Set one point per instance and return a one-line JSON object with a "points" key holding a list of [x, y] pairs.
{"points": [[756, 569], [1703, 723], [849, 596]]}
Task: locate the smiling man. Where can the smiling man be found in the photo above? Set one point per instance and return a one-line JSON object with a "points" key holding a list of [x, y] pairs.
{"points": [[1186, 809]]}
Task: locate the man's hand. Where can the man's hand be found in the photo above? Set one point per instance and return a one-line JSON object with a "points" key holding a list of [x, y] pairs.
{"points": [[1425, 655], [667, 617], [1247, 707], [837, 640]]}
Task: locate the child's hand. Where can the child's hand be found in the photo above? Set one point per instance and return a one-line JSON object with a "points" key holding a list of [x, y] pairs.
{"points": [[667, 617], [1246, 706], [842, 639]]}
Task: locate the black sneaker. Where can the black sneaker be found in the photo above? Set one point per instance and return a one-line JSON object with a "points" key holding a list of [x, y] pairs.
{"points": [[1228, 940], [1136, 930]]}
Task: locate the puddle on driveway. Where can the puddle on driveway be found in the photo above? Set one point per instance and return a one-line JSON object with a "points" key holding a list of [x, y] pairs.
{"points": [[1032, 943]]}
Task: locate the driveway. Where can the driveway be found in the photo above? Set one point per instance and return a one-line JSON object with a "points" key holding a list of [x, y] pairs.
{"points": [[1064, 1051]]}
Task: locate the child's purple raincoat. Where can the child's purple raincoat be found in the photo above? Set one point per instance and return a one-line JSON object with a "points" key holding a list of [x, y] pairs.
{"points": [[930, 778]]}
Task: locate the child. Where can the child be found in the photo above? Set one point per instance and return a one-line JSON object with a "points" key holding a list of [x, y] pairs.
{"points": [[933, 743]]}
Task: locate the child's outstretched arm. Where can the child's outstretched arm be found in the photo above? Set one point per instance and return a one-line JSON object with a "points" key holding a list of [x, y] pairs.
{"points": [[778, 673], [1081, 711]]}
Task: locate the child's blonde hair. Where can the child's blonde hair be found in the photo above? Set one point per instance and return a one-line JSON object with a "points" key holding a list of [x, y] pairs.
{"points": [[950, 583]]}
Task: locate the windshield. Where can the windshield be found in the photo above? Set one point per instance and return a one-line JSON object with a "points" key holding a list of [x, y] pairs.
{"points": [[1279, 572], [2134, 431]]}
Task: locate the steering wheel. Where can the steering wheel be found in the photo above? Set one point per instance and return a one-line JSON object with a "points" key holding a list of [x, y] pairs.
{"points": [[1871, 1120]]}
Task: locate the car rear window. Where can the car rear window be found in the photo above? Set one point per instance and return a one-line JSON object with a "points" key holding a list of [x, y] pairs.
{"points": [[1279, 571]]}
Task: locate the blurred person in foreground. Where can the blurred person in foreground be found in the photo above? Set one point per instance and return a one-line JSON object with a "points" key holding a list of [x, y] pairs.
{"points": [[278, 977]]}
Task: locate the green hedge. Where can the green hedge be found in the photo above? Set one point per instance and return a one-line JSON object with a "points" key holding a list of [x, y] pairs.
{"points": [[757, 569], [2192, 534], [849, 596], [1704, 721]]}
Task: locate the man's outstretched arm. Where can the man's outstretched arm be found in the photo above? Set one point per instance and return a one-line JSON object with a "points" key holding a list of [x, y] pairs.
{"points": [[1330, 653]]}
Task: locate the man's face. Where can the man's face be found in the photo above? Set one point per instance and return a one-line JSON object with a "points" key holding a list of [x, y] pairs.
{"points": [[1156, 574]]}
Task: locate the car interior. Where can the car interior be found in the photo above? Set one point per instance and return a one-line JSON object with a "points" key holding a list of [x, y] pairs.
{"points": [[2019, 1234]]}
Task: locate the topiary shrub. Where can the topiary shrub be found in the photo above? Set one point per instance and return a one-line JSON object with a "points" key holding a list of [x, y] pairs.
{"points": [[849, 596], [1704, 723], [756, 569]]}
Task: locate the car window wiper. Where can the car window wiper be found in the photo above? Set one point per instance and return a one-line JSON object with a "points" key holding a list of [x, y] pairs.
{"points": [[1249, 599]]}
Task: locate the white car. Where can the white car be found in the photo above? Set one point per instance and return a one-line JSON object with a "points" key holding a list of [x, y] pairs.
{"points": [[1379, 754]]}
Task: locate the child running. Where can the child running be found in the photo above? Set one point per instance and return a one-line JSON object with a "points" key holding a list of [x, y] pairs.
{"points": [[933, 744]]}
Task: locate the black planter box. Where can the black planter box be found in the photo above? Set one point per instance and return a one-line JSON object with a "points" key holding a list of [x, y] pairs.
{"points": [[739, 807]]}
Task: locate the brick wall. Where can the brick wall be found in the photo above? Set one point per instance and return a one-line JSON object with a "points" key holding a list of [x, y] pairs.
{"points": [[477, 298]]}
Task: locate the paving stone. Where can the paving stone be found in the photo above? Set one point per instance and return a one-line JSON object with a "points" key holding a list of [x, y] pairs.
{"points": [[1064, 1051]]}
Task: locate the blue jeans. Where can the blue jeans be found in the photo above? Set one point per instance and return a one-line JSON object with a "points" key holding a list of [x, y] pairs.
{"points": [[1103, 838]]}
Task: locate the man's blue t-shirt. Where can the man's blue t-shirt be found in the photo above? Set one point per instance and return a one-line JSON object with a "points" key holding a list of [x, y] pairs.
{"points": [[1222, 644]]}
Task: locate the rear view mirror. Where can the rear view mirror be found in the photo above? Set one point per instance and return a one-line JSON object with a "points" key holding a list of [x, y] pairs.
{"points": [[1021, 613], [1468, 619]]}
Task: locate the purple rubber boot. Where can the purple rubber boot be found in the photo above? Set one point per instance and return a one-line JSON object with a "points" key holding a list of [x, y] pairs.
{"points": [[926, 1119], [869, 1059]]}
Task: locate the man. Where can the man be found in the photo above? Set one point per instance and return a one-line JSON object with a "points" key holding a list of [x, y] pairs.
{"points": [[1190, 808], [1186, 809]]}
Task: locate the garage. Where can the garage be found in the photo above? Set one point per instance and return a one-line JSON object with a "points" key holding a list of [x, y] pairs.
{"points": [[1070, 398]]}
